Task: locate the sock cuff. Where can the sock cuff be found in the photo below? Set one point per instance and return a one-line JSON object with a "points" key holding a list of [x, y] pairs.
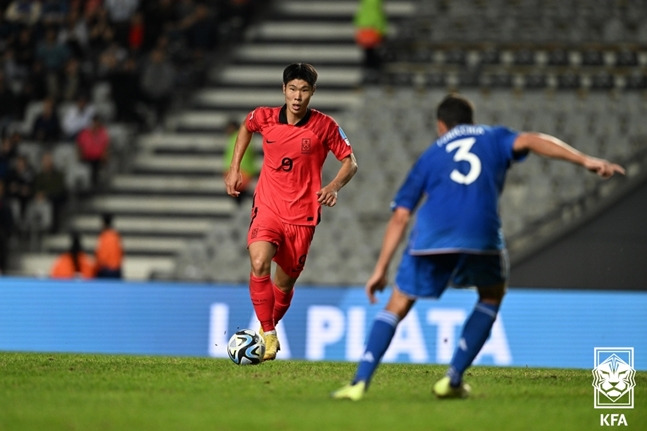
{"points": [[262, 279], [280, 293], [488, 308], [387, 317]]}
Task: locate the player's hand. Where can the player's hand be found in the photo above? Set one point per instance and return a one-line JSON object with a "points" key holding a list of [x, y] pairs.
{"points": [[233, 181], [603, 168], [376, 283], [327, 196]]}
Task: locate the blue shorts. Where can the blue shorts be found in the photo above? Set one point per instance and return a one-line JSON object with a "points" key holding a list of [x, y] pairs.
{"points": [[427, 276]]}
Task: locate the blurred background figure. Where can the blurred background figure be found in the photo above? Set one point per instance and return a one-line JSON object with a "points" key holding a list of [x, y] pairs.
{"points": [[6, 228], [20, 184], [47, 125], [38, 219], [370, 27], [74, 263], [109, 252], [157, 84], [93, 144], [126, 93], [248, 166], [50, 181], [77, 117]]}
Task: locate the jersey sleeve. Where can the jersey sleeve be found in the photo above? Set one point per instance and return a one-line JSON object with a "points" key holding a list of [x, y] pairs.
{"points": [[338, 142], [506, 138], [254, 120], [412, 189]]}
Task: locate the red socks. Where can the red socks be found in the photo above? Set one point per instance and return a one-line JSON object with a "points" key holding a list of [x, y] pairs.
{"points": [[270, 303], [282, 302], [262, 295]]}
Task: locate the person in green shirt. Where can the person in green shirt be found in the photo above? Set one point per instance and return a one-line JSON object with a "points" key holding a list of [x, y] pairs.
{"points": [[370, 29], [248, 166]]}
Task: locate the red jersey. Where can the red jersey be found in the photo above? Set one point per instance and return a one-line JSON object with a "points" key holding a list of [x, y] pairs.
{"points": [[93, 144], [293, 159]]}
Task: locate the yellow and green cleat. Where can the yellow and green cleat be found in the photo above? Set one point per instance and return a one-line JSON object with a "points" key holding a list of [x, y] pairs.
{"points": [[353, 392], [442, 389]]}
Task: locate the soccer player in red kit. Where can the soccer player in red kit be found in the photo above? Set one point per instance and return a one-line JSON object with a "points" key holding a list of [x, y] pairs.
{"points": [[289, 192]]}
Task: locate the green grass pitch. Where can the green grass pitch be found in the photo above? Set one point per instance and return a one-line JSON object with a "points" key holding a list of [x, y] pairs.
{"points": [[115, 392]]}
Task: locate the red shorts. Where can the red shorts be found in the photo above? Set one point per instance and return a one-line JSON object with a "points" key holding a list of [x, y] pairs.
{"points": [[292, 241]]}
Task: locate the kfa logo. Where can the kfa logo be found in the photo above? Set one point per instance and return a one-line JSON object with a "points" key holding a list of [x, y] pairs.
{"points": [[614, 377]]}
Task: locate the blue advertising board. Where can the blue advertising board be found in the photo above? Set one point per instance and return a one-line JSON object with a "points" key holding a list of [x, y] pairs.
{"points": [[535, 328]]}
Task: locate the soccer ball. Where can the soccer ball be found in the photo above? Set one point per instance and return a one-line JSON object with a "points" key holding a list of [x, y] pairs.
{"points": [[246, 347]]}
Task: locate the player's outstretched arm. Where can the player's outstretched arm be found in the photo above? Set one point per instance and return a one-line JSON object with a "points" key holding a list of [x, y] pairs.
{"points": [[234, 178], [552, 147], [328, 194], [395, 230]]}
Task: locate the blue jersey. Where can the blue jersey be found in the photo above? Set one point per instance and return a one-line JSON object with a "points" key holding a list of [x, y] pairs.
{"points": [[461, 175]]}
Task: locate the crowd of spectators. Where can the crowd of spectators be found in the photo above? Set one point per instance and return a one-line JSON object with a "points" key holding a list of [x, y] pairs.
{"points": [[55, 54]]}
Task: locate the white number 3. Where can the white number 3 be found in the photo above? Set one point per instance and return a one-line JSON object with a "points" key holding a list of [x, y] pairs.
{"points": [[463, 155]]}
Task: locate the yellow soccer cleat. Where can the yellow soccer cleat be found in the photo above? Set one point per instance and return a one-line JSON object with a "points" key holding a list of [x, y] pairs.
{"points": [[353, 392], [272, 345], [442, 389]]}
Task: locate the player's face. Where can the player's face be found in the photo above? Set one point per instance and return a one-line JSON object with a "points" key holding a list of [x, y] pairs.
{"points": [[297, 97]]}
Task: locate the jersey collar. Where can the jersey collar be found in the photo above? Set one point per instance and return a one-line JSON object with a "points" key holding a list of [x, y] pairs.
{"points": [[283, 117]]}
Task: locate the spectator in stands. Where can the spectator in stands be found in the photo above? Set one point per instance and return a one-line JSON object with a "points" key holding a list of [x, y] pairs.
{"points": [[126, 92], [161, 18], [50, 181], [37, 86], [53, 12], [74, 34], [24, 47], [38, 217], [6, 228], [248, 166], [20, 183], [101, 34], [7, 104], [109, 252], [109, 60], [78, 117], [74, 263], [93, 144], [14, 73], [47, 125], [73, 81], [53, 55], [120, 13], [370, 27], [136, 33], [199, 30], [8, 154], [157, 84], [24, 12]]}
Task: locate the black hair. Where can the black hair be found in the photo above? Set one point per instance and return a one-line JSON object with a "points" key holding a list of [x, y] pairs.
{"points": [[75, 250], [107, 219], [304, 71], [454, 110]]}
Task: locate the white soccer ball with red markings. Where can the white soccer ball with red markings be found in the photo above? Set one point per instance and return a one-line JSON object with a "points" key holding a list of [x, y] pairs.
{"points": [[246, 347]]}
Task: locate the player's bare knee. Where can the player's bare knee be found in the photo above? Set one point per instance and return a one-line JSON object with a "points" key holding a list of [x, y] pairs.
{"points": [[492, 294], [260, 267]]}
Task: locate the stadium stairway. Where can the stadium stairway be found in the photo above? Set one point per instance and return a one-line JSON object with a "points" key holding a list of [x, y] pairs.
{"points": [[171, 192]]}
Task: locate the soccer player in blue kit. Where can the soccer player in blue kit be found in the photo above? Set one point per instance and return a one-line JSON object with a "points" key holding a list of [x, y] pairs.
{"points": [[457, 238]]}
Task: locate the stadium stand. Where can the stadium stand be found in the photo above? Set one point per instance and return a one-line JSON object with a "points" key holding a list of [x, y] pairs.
{"points": [[112, 47], [528, 65]]}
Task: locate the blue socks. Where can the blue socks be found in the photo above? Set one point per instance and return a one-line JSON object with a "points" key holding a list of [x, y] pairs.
{"points": [[378, 341], [475, 333]]}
